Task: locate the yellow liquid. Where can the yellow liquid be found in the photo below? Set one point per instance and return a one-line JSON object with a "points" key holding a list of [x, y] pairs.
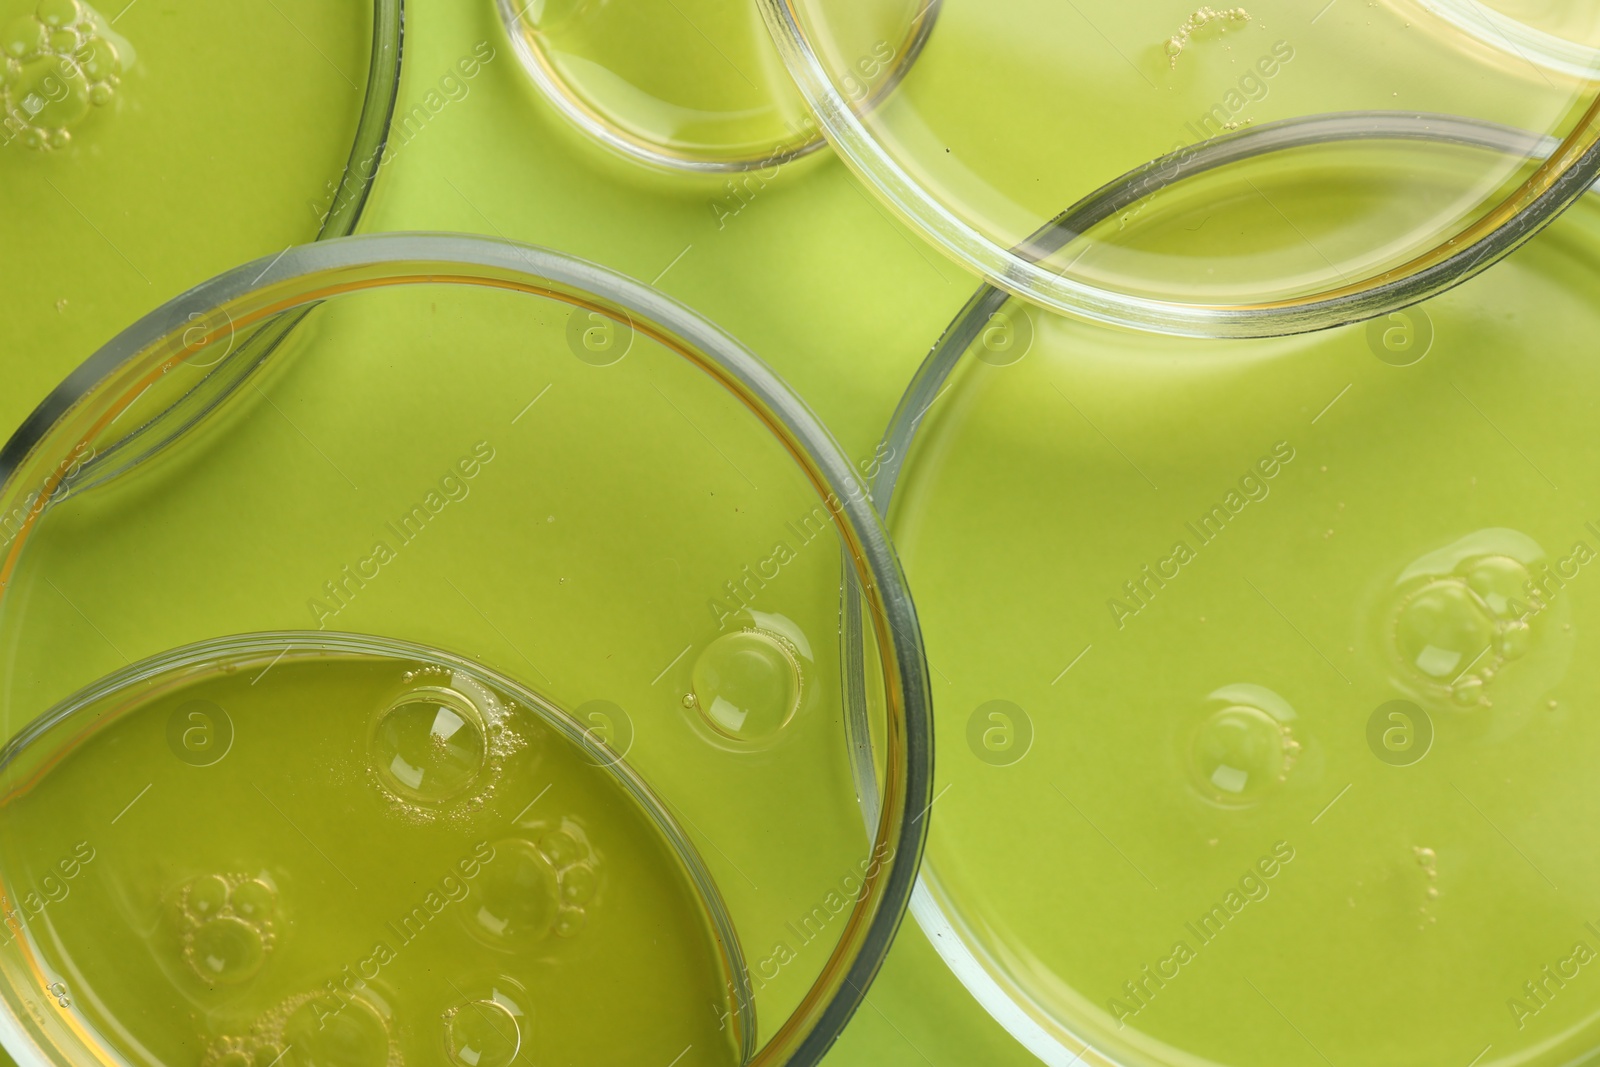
{"points": [[344, 857]]}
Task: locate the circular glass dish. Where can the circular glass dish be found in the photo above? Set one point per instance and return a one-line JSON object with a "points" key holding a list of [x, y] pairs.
{"points": [[1018, 112], [1260, 675], [493, 857], [557, 477], [126, 130], [695, 85]]}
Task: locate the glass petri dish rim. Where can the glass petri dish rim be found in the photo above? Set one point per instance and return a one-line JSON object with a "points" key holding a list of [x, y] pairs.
{"points": [[1564, 176], [381, 95], [367, 151], [1485, 24], [300, 277], [598, 128], [261, 645], [990, 984]]}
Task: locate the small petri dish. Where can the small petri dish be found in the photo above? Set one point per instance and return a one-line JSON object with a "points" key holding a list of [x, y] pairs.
{"points": [[1017, 113], [695, 85], [519, 884], [126, 130], [475, 598], [1260, 676]]}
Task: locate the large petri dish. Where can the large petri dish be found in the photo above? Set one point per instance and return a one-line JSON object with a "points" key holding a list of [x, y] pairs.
{"points": [[695, 85], [1018, 111], [127, 130], [510, 521], [1261, 677]]}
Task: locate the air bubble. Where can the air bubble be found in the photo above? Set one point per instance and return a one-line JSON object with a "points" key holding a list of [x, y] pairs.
{"points": [[52, 92], [430, 746], [748, 685], [254, 900], [1242, 753], [569, 923], [578, 885], [514, 902], [226, 951], [57, 13], [353, 1036], [1500, 582], [1442, 629], [559, 847], [1516, 638], [482, 1033], [24, 36], [226, 924], [207, 895]]}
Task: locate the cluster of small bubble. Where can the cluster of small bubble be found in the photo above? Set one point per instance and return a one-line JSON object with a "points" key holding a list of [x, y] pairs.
{"points": [[350, 1033], [55, 66], [1459, 630], [228, 926], [1428, 860], [500, 741], [1202, 18], [247, 1051]]}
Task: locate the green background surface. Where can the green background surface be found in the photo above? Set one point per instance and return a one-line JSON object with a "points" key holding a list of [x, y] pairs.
{"points": [[804, 268]]}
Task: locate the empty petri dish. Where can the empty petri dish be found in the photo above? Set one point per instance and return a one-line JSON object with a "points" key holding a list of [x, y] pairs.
{"points": [[127, 129], [1261, 679], [691, 84], [460, 668], [1018, 112]]}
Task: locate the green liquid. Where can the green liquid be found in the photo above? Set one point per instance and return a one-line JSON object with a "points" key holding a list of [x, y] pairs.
{"points": [[350, 859], [1301, 633], [183, 141]]}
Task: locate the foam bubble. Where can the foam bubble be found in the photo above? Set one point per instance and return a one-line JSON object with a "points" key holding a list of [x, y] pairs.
{"points": [[748, 685], [227, 926], [1244, 749], [56, 67], [430, 745], [1460, 616], [482, 1033]]}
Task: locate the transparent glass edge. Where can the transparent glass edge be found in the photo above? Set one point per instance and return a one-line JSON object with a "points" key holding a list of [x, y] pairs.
{"points": [[836, 995], [997, 264]]}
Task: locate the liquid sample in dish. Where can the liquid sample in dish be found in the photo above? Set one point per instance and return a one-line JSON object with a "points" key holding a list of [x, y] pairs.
{"points": [[350, 858], [1268, 741]]}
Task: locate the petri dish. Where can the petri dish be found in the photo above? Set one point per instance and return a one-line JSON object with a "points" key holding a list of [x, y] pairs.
{"points": [[460, 552], [1260, 676], [987, 141], [127, 129], [692, 84]]}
